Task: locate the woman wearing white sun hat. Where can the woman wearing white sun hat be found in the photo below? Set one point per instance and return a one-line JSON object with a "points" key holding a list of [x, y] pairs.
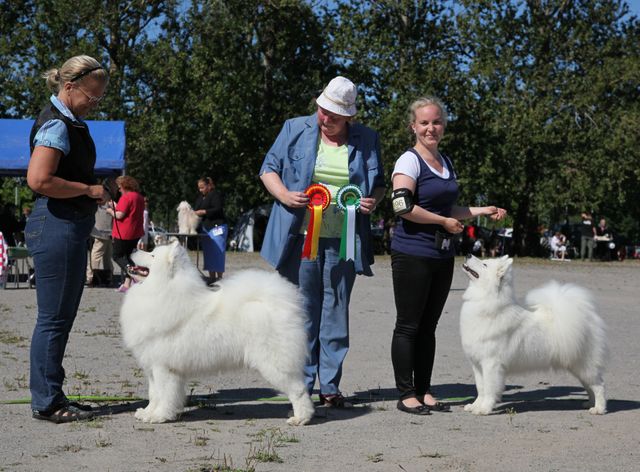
{"points": [[325, 148]]}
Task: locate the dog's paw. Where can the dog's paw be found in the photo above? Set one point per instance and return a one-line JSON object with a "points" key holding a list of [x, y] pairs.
{"points": [[597, 410], [295, 421], [160, 418], [481, 409], [147, 416], [142, 414], [469, 407]]}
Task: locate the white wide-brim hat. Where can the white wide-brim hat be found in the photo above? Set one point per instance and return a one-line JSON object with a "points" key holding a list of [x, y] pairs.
{"points": [[339, 97]]}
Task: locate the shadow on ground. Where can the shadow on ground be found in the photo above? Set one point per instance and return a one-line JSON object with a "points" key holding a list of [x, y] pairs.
{"points": [[262, 403], [551, 399], [246, 403]]}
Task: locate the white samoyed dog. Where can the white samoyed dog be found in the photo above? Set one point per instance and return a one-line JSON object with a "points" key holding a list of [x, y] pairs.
{"points": [[558, 328], [178, 328], [188, 221]]}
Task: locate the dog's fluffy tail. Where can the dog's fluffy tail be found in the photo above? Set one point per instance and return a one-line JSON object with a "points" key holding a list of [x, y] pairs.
{"points": [[574, 329]]}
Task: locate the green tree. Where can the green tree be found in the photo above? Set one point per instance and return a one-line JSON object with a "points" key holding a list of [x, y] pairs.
{"points": [[221, 84], [396, 52], [542, 94], [541, 97]]}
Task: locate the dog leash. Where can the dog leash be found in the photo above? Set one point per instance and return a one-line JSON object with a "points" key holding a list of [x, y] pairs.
{"points": [[110, 187]]}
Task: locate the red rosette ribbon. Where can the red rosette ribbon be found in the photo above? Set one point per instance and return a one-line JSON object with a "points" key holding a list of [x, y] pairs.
{"points": [[319, 200]]}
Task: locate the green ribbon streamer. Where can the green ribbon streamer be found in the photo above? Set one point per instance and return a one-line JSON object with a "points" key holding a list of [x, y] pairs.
{"points": [[350, 200]]}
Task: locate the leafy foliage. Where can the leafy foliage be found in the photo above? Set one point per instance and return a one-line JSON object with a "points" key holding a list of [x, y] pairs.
{"points": [[543, 95]]}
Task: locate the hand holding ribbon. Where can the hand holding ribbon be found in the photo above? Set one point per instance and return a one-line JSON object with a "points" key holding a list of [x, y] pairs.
{"points": [[367, 205]]}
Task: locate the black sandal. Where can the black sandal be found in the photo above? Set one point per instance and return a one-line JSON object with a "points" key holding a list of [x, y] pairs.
{"points": [[65, 414], [335, 401], [81, 406]]}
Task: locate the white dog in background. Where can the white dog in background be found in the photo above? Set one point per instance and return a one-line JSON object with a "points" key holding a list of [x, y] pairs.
{"points": [[188, 221], [177, 328], [558, 328]]}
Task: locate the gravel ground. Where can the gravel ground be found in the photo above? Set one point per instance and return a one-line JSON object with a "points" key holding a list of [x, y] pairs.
{"points": [[237, 423]]}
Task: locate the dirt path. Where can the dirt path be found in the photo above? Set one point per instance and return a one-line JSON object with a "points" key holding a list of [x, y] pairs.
{"points": [[238, 423]]}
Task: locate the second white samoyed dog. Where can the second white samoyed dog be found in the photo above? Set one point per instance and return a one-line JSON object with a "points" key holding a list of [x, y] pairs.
{"points": [[558, 328], [188, 221], [177, 328]]}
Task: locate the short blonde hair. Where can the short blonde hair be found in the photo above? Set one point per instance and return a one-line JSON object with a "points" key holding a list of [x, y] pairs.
{"points": [[128, 183], [426, 101], [76, 68]]}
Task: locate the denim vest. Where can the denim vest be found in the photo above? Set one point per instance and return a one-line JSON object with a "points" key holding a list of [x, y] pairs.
{"points": [[293, 157]]}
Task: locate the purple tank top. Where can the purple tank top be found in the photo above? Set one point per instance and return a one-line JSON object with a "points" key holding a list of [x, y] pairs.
{"points": [[434, 194]]}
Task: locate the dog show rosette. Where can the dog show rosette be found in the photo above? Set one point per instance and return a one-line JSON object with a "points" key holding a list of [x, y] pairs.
{"points": [[319, 200], [348, 201]]}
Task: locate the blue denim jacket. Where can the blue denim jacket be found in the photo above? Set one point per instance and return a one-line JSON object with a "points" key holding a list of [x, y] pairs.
{"points": [[293, 157]]}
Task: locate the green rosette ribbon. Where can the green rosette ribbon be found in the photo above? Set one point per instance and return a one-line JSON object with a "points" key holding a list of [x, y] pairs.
{"points": [[348, 201]]}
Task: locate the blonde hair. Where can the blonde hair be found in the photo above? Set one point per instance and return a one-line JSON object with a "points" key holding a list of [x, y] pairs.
{"points": [[76, 68], [426, 101]]}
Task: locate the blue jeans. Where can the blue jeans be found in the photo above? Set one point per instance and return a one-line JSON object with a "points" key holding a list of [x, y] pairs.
{"points": [[57, 240], [325, 285]]}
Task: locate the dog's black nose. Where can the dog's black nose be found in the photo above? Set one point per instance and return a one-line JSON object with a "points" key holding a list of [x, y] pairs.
{"points": [[468, 256]]}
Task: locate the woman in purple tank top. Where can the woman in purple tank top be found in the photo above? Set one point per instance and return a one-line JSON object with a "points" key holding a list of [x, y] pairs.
{"points": [[422, 253]]}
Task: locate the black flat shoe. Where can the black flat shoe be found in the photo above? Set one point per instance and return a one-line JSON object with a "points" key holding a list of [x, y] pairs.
{"points": [[414, 410], [444, 407]]}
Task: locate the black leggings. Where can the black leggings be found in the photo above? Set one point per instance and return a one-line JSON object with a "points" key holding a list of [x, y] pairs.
{"points": [[420, 287], [122, 249]]}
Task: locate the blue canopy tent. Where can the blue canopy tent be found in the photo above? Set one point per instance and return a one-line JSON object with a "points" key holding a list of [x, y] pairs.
{"points": [[108, 136]]}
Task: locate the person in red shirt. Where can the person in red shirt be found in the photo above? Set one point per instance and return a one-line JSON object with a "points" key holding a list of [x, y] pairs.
{"points": [[128, 226]]}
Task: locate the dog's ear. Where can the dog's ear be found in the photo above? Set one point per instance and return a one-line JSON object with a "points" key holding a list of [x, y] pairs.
{"points": [[505, 264]]}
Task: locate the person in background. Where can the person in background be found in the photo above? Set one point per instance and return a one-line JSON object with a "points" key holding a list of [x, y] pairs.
{"points": [[26, 211], [208, 206], [558, 245], [604, 238], [128, 226], [329, 148], [22, 223], [587, 232], [61, 173], [101, 248], [9, 224], [424, 195], [143, 243]]}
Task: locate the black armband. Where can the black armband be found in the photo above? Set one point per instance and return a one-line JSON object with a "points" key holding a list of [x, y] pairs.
{"points": [[402, 201]]}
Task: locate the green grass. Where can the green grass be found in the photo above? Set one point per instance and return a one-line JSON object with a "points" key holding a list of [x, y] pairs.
{"points": [[101, 442], [7, 337]]}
